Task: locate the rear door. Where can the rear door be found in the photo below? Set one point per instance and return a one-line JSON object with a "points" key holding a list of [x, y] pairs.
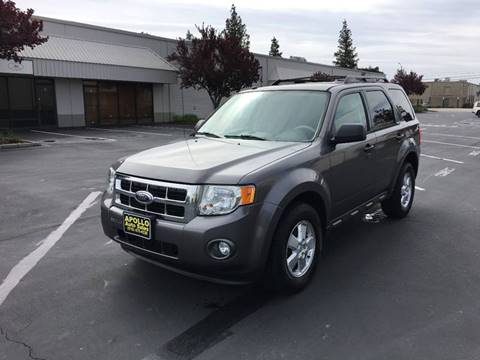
{"points": [[389, 134], [350, 176]]}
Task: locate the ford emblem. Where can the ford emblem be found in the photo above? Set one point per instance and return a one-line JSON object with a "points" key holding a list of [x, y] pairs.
{"points": [[144, 197]]}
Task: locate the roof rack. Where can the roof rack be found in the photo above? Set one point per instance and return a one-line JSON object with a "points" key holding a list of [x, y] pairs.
{"points": [[349, 79], [345, 79]]}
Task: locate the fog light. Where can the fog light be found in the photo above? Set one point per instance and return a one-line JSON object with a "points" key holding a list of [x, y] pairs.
{"points": [[224, 248], [220, 249]]}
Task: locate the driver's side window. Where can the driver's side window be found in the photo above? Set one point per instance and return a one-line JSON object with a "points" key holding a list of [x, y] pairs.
{"points": [[350, 110]]}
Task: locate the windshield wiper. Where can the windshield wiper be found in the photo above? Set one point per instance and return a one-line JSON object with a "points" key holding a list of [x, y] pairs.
{"points": [[209, 134], [245, 137]]}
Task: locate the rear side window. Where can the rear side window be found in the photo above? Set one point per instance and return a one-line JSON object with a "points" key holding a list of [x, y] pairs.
{"points": [[401, 101], [381, 110], [350, 110]]}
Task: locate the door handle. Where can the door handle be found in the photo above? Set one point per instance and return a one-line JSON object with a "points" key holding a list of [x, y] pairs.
{"points": [[400, 136], [369, 147]]}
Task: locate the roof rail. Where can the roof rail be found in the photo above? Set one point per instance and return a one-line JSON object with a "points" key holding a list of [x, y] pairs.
{"points": [[349, 79], [345, 79], [305, 79]]}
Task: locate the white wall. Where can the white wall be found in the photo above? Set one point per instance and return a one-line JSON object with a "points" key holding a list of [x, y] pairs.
{"points": [[70, 106]]}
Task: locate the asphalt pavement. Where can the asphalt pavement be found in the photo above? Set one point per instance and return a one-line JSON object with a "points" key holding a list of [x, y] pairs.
{"points": [[385, 289]]}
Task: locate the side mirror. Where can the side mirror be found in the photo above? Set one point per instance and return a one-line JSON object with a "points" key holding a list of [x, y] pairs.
{"points": [[349, 133], [199, 124], [406, 116]]}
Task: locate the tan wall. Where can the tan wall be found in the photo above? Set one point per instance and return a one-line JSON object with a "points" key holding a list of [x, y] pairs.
{"points": [[451, 94]]}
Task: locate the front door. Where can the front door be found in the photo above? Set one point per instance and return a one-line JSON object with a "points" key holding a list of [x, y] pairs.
{"points": [[45, 102], [351, 172]]}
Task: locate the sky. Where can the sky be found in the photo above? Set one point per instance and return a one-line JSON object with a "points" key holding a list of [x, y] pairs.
{"points": [[435, 38]]}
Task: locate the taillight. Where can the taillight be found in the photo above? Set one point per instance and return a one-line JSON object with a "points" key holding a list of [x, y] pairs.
{"points": [[419, 135]]}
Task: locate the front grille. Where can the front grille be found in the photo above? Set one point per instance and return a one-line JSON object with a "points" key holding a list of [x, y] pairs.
{"points": [[158, 247], [171, 201]]}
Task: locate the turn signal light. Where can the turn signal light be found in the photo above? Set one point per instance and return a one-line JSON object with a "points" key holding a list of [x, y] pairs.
{"points": [[247, 194]]}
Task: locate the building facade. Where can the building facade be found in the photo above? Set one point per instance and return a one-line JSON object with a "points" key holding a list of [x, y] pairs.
{"points": [[87, 75], [448, 94]]}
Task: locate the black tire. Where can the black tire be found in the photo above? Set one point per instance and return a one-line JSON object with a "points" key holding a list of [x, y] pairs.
{"points": [[478, 113], [279, 278], [392, 206]]}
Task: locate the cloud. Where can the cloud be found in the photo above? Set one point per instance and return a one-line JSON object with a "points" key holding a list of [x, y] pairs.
{"points": [[435, 38]]}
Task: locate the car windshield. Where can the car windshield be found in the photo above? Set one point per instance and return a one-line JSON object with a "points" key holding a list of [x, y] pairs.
{"points": [[279, 115]]}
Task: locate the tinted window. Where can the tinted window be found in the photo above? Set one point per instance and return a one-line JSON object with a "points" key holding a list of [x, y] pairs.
{"points": [[401, 101], [381, 110], [350, 110], [271, 115]]}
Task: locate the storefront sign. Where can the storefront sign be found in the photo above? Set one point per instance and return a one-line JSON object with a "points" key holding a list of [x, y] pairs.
{"points": [[12, 67]]}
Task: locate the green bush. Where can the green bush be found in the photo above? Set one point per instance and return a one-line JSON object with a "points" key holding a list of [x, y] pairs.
{"points": [[419, 108], [186, 119], [7, 137]]}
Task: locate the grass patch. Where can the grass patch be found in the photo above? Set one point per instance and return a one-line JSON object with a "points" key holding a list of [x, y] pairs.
{"points": [[419, 108], [186, 119], [7, 137]]}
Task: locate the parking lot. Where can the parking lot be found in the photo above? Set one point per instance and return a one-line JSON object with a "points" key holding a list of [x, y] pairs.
{"points": [[404, 289]]}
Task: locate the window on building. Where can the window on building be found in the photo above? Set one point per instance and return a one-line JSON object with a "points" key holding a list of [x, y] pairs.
{"points": [[20, 93], [4, 108], [108, 103], [144, 103], [111, 103], [126, 103]]}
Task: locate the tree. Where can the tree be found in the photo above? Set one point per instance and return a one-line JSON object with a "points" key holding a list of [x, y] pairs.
{"points": [[346, 56], [215, 63], [17, 30], [236, 30], [321, 76], [375, 69], [411, 82], [275, 48], [189, 36]]}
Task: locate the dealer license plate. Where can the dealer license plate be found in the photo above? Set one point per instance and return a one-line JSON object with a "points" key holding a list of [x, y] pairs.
{"points": [[137, 225]]}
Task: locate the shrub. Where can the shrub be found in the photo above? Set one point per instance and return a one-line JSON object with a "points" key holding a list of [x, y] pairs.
{"points": [[186, 118]]}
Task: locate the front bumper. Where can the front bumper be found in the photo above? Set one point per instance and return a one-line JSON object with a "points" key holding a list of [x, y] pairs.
{"points": [[183, 246]]}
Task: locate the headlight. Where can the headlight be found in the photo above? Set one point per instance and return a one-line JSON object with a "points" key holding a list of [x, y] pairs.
{"points": [[219, 199], [110, 180]]}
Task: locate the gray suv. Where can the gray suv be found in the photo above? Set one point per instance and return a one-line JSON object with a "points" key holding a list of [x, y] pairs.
{"points": [[251, 194]]}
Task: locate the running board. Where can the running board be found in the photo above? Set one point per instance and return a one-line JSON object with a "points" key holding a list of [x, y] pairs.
{"points": [[358, 210]]}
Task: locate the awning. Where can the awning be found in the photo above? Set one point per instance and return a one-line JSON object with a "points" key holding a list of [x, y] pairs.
{"points": [[72, 58]]}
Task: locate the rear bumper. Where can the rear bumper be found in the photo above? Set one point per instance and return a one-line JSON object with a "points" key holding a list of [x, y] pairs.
{"points": [[183, 247]]}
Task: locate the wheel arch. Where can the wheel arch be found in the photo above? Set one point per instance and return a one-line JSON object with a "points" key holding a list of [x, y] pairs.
{"points": [[311, 193], [412, 158]]}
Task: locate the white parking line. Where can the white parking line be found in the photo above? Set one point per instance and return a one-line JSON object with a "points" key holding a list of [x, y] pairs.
{"points": [[451, 144], [444, 172], [419, 188], [440, 125], [444, 159], [24, 266], [132, 131], [456, 136], [69, 135]]}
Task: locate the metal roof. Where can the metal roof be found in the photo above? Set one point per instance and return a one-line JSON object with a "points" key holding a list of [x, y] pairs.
{"points": [[81, 51]]}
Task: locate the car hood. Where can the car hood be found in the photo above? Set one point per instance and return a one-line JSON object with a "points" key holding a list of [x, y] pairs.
{"points": [[204, 160]]}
